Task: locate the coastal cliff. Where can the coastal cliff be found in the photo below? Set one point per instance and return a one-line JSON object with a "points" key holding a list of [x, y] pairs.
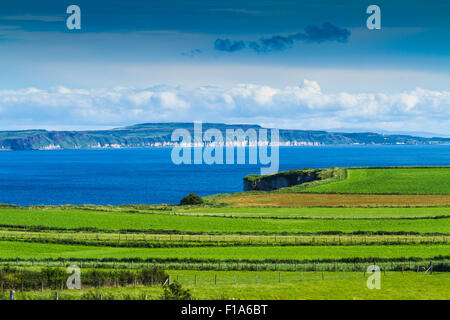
{"points": [[159, 135], [285, 179]]}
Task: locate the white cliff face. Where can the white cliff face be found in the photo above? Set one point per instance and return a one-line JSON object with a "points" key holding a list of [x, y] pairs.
{"points": [[50, 147]]}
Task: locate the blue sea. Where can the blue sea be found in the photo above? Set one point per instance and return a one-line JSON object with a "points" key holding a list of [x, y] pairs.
{"points": [[148, 176]]}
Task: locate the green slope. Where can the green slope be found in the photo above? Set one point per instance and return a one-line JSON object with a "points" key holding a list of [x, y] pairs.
{"points": [[390, 181]]}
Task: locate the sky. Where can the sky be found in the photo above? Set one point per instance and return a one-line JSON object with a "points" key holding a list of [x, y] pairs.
{"points": [[278, 63]]}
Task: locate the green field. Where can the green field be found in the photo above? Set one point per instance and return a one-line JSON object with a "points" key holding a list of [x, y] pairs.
{"points": [[348, 285], [24, 250], [75, 219], [329, 213], [223, 250], [390, 181], [334, 286]]}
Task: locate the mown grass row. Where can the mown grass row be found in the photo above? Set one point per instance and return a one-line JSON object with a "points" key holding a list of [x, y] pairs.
{"points": [[319, 213], [331, 212], [87, 230], [166, 241], [417, 265], [25, 250], [119, 221], [335, 200]]}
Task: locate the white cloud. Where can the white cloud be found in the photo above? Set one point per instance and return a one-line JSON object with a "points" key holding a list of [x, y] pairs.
{"points": [[170, 99], [304, 106]]}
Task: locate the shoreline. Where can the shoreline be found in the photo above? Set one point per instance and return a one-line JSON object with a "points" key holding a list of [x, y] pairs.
{"points": [[235, 146]]}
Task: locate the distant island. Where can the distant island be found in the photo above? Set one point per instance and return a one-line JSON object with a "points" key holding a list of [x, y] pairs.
{"points": [[149, 135]]}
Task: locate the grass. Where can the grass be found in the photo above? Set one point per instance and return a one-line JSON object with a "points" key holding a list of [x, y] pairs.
{"points": [[24, 250], [182, 240], [389, 181], [73, 219], [331, 225], [348, 285], [288, 200], [362, 187], [331, 213]]}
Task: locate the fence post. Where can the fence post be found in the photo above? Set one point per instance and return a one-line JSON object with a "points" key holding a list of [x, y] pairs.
{"points": [[322, 275], [215, 279], [12, 295], [195, 279], [279, 276], [235, 278], [56, 296]]}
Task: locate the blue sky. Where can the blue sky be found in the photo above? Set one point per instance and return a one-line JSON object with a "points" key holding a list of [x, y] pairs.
{"points": [[297, 64]]}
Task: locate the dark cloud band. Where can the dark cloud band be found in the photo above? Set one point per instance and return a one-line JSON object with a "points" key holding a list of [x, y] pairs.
{"points": [[312, 33]]}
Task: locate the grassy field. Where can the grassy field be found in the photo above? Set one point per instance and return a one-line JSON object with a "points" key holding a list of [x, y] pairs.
{"points": [[361, 187], [192, 240], [293, 199], [349, 286], [77, 219], [331, 213], [390, 181], [313, 242], [24, 250]]}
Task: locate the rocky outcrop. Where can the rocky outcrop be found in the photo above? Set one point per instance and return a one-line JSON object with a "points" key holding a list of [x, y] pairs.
{"points": [[292, 178], [280, 180]]}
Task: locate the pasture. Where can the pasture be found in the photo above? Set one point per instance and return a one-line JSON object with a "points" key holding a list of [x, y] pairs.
{"points": [[141, 222], [313, 242], [41, 251], [390, 181], [271, 285]]}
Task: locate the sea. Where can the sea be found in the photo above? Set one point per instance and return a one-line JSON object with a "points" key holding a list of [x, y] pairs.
{"points": [[148, 175]]}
